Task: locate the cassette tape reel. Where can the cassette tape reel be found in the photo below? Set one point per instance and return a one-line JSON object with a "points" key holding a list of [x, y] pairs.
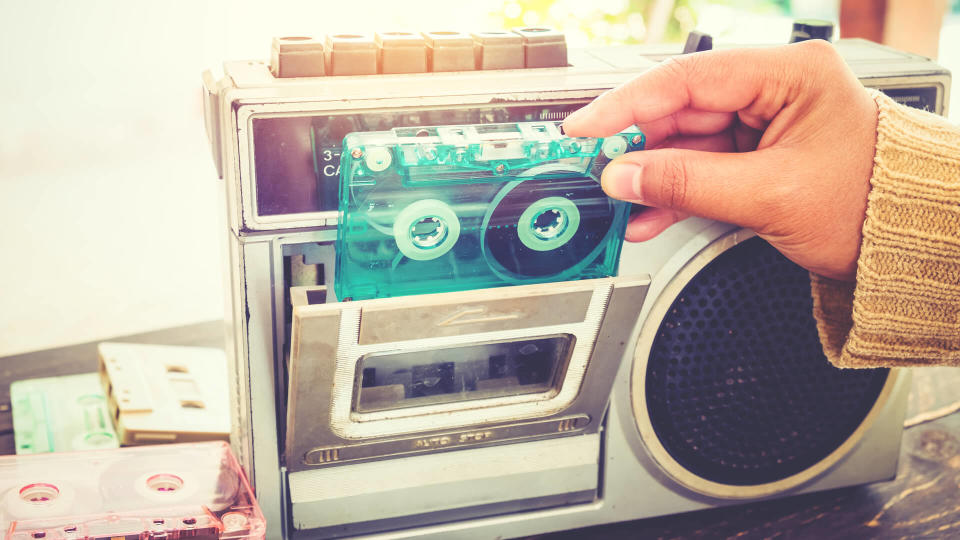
{"points": [[462, 207], [173, 491]]}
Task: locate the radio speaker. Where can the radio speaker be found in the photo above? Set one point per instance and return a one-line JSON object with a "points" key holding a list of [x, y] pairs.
{"points": [[732, 393]]}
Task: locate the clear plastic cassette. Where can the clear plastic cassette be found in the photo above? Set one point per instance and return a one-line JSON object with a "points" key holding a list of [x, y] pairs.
{"points": [[195, 491], [61, 414], [436, 209]]}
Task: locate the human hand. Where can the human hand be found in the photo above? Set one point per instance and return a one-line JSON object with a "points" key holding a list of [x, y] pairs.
{"points": [[780, 140]]}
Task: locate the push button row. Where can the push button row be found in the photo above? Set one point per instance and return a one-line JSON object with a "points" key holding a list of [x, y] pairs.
{"points": [[411, 52]]}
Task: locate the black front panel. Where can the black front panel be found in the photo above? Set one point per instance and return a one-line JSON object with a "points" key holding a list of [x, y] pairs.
{"points": [[738, 389], [924, 98], [297, 159]]}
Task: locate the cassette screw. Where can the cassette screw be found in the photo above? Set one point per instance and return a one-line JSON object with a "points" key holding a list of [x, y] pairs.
{"points": [[574, 147], [356, 153], [500, 168], [637, 139], [430, 153], [460, 155]]}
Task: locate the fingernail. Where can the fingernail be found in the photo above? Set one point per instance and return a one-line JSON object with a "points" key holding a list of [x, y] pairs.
{"points": [[622, 181], [576, 114]]}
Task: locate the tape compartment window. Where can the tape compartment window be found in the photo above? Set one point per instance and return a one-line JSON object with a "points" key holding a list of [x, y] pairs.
{"points": [[394, 380]]}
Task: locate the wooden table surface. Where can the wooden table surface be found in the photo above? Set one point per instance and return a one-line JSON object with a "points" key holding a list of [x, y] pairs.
{"points": [[922, 502]]}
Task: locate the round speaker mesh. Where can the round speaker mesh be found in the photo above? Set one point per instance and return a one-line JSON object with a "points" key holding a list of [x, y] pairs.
{"points": [[738, 389]]}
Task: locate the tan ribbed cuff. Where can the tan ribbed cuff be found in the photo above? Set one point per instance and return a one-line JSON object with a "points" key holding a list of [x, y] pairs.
{"points": [[905, 306]]}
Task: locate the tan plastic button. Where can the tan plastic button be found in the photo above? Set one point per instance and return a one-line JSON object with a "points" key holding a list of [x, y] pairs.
{"points": [[297, 57], [449, 51], [543, 47], [402, 52], [498, 50], [351, 54]]}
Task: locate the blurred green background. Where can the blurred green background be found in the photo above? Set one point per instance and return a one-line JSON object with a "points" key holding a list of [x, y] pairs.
{"points": [[604, 22]]}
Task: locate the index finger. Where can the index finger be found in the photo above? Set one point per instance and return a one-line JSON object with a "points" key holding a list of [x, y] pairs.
{"points": [[711, 81]]}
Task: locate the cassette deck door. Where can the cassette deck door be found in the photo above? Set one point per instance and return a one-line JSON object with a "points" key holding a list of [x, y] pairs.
{"points": [[408, 375]]}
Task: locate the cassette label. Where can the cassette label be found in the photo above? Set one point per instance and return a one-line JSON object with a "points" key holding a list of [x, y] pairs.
{"points": [[438, 209], [172, 491], [61, 414]]}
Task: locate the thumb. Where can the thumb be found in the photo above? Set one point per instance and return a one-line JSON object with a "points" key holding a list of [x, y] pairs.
{"points": [[730, 187]]}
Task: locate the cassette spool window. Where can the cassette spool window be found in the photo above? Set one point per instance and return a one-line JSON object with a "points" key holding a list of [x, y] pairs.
{"points": [[394, 380], [294, 156]]}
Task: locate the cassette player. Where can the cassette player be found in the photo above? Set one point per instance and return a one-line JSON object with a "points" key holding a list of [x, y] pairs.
{"points": [[435, 209], [507, 365]]}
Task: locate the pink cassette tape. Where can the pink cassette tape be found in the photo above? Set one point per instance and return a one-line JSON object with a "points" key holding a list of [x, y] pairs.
{"points": [[195, 491]]}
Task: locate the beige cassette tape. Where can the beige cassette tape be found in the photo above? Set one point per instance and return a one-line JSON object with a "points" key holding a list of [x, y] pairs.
{"points": [[165, 394]]}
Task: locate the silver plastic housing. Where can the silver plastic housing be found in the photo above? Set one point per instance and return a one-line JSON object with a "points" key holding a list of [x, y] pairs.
{"points": [[610, 472]]}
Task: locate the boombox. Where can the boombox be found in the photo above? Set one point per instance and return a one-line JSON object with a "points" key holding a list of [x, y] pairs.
{"points": [[474, 352]]}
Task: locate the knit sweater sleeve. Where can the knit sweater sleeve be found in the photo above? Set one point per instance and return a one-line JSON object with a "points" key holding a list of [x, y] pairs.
{"points": [[904, 308]]}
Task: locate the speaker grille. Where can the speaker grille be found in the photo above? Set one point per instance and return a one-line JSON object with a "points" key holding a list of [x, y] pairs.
{"points": [[738, 389]]}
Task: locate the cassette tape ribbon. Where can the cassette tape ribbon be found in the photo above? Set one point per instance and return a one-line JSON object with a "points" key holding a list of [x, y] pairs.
{"points": [[437, 209]]}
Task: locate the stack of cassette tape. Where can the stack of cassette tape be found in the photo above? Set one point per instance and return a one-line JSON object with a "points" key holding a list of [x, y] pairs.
{"points": [[71, 481], [143, 394], [436, 209], [193, 491]]}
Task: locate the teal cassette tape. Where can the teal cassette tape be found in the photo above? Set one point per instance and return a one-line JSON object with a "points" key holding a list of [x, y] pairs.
{"points": [[61, 414], [437, 209]]}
